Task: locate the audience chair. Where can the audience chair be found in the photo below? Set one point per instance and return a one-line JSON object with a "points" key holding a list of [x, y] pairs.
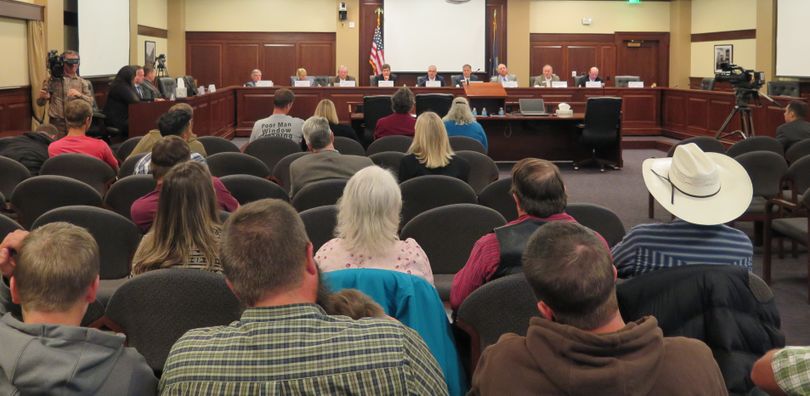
{"points": [[126, 147], [431, 191], [389, 160], [793, 223], [798, 150], [320, 223], [124, 192], [93, 171], [783, 88], [156, 308], [707, 84], [281, 172], [498, 195], [224, 164], [116, 235], [414, 302], [398, 143], [39, 194], [755, 143], [459, 143], [216, 144], [249, 188], [166, 86], [599, 219], [797, 179], [483, 169], [319, 193], [271, 149], [724, 306], [706, 143], [7, 225], [349, 146], [435, 102], [447, 234], [374, 108], [127, 167], [11, 174], [766, 170], [601, 131], [504, 305]]}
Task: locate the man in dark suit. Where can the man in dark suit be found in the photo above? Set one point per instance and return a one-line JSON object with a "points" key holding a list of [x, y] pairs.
{"points": [[431, 76], [343, 75], [255, 76], [324, 162], [593, 75], [385, 75], [465, 77], [149, 75], [796, 128]]}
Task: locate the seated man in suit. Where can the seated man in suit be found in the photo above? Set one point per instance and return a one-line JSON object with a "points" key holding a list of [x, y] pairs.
{"points": [[255, 76], [465, 77], [343, 75], [503, 75], [593, 75], [324, 162], [149, 82], [547, 78], [796, 128], [385, 75], [432, 75]]}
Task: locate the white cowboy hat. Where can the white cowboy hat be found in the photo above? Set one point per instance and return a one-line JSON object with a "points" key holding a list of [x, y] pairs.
{"points": [[697, 187]]}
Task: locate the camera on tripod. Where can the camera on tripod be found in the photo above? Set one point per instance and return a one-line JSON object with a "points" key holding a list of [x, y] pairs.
{"points": [[746, 82], [55, 63]]}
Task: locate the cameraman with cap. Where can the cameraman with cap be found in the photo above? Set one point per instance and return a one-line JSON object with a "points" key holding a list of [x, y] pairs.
{"points": [[58, 91]]}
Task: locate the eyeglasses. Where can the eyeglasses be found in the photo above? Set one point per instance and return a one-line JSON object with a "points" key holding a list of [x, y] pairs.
{"points": [[673, 187]]}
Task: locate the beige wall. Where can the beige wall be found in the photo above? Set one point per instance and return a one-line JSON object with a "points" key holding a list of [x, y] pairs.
{"points": [[723, 15], [766, 37], [745, 52], [517, 39], [608, 16], [176, 43], [13, 41], [152, 13], [262, 15], [161, 44], [680, 43], [347, 38]]}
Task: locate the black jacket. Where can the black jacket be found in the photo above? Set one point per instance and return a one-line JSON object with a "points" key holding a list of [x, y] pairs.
{"points": [[726, 307], [29, 149], [116, 109]]}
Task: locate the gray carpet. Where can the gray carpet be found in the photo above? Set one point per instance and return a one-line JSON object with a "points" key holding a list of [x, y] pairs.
{"points": [[624, 192]]}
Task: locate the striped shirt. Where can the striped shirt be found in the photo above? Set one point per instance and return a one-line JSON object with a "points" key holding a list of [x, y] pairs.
{"points": [[648, 247], [298, 349]]}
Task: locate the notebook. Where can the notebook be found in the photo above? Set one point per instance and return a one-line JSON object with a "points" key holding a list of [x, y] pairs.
{"points": [[532, 107]]}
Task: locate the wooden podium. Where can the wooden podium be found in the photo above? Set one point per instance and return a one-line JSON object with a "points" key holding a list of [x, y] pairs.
{"points": [[489, 95]]}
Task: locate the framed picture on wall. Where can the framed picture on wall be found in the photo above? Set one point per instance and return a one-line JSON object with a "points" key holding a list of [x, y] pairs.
{"points": [[723, 54], [149, 53]]}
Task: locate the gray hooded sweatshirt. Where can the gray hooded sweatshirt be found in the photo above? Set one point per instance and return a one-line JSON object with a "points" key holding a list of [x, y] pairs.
{"points": [[66, 360]]}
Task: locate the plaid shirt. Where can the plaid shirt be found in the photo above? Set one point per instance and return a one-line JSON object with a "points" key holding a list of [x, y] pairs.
{"points": [[298, 349], [791, 369], [143, 164]]}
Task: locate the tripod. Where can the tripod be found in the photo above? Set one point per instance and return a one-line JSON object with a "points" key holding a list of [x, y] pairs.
{"points": [[742, 109]]}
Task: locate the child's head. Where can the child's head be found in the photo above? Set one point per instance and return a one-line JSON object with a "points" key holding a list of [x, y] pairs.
{"points": [[352, 303]]}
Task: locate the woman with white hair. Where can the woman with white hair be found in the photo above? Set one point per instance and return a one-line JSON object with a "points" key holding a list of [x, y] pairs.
{"points": [[430, 153], [367, 224], [460, 121]]}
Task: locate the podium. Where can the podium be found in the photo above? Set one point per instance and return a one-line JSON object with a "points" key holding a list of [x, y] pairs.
{"points": [[489, 95]]}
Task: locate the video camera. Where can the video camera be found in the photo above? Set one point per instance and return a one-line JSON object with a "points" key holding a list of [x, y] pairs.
{"points": [[55, 63], [746, 82]]}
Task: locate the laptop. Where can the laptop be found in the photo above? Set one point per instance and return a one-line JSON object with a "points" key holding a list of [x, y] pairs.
{"points": [[532, 107]]}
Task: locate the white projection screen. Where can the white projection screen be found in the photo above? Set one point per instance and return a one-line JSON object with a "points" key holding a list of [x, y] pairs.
{"points": [[103, 36], [792, 55], [419, 33]]}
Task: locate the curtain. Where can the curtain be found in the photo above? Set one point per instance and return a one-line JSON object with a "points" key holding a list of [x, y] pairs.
{"points": [[37, 72]]}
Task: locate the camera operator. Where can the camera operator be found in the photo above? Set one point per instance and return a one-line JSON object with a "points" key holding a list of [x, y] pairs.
{"points": [[796, 128], [58, 91]]}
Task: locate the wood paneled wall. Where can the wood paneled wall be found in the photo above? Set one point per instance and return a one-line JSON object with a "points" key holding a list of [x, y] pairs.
{"points": [[640, 54], [15, 111], [226, 58]]}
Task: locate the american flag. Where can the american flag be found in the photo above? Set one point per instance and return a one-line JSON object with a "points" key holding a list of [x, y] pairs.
{"points": [[377, 56]]}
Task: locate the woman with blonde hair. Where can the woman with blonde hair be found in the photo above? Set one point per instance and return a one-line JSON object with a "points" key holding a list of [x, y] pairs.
{"points": [[326, 109], [430, 153], [187, 229], [367, 229], [460, 121]]}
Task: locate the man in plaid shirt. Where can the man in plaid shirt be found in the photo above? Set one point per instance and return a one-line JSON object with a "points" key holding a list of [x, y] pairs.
{"points": [[783, 371], [284, 343]]}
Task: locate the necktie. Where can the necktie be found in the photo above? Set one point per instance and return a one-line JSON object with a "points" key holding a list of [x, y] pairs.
{"points": [[140, 93]]}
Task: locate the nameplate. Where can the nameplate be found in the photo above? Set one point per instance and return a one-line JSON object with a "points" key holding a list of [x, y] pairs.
{"points": [[593, 84], [433, 84], [635, 84], [264, 83], [476, 82], [302, 83], [510, 84], [559, 84], [348, 83], [384, 83]]}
